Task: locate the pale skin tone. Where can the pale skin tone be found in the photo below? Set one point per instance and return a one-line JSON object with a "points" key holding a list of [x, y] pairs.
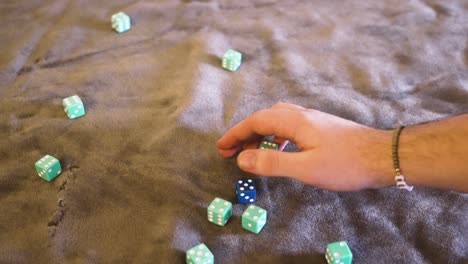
{"points": [[341, 155]]}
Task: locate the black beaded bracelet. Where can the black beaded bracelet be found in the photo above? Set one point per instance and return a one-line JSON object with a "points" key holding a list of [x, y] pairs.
{"points": [[399, 178]]}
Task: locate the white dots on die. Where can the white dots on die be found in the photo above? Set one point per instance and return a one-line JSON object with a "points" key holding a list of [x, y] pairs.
{"points": [[260, 211], [336, 254], [241, 188], [250, 225], [198, 259], [79, 107], [246, 213], [76, 111], [46, 165], [255, 218], [72, 116], [226, 203], [251, 187], [212, 207], [247, 197], [337, 261], [201, 247], [49, 171], [246, 184], [217, 200], [188, 257], [251, 200], [251, 207], [250, 180], [221, 210], [242, 194], [207, 254], [199, 253], [342, 244], [192, 251], [240, 182]]}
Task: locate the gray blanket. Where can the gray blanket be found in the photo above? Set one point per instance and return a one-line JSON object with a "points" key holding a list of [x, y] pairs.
{"points": [[141, 167]]}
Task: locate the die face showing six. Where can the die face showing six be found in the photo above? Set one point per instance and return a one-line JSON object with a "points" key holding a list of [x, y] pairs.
{"points": [[232, 60], [338, 253], [73, 107], [268, 145], [246, 191], [254, 218], [121, 22], [200, 254], [48, 167], [219, 211]]}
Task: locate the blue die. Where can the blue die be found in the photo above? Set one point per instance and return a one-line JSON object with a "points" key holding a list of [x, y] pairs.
{"points": [[246, 191]]}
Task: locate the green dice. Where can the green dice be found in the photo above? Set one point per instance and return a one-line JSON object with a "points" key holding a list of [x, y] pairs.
{"points": [[219, 211], [254, 218], [339, 252], [121, 22], [48, 168], [200, 254], [232, 60], [73, 107], [268, 145]]}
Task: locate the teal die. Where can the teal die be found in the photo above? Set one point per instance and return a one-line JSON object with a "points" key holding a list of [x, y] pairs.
{"points": [[219, 211], [268, 145], [121, 22], [199, 254], [254, 218], [48, 168], [73, 107], [339, 253], [232, 60]]}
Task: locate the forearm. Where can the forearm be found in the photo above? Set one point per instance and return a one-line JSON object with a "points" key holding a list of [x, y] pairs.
{"points": [[436, 154]]}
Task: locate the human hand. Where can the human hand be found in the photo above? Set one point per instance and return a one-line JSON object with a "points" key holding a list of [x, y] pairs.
{"points": [[335, 153]]}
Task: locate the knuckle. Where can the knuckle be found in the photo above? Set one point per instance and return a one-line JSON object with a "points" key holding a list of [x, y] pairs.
{"points": [[279, 105], [271, 162]]}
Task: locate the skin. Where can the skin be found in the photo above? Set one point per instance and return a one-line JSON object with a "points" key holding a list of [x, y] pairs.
{"points": [[341, 155]]}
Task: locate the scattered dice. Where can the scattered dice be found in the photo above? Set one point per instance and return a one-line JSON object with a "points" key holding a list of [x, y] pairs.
{"points": [[48, 168], [268, 145], [339, 252], [246, 191], [73, 107], [219, 211], [200, 254], [232, 60], [121, 22], [254, 218]]}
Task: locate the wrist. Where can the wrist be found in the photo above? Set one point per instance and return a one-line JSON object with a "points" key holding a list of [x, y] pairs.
{"points": [[379, 160]]}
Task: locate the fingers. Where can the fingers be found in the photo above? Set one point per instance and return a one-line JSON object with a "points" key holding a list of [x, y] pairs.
{"points": [[283, 123], [275, 163]]}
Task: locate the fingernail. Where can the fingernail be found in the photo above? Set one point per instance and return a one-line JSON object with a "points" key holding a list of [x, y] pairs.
{"points": [[247, 160]]}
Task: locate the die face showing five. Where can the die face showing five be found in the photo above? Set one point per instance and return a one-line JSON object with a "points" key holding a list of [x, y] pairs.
{"points": [[73, 107], [121, 22], [200, 254], [338, 253], [268, 145], [246, 191], [219, 211], [48, 168], [232, 60], [254, 218]]}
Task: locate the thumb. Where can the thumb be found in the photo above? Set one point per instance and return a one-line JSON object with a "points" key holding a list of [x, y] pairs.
{"points": [[267, 162]]}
